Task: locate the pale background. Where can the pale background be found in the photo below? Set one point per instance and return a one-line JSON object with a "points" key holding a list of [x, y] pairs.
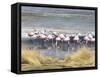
{"points": [[5, 19]]}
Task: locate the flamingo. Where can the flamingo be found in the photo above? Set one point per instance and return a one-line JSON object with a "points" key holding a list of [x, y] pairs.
{"points": [[57, 40], [87, 39], [76, 38], [76, 41], [62, 38], [66, 40], [90, 36], [92, 41], [30, 34], [42, 38], [50, 37]]}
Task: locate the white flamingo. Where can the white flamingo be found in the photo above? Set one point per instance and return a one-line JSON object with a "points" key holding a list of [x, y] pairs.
{"points": [[42, 38], [90, 36], [76, 41], [30, 34], [67, 39], [62, 38], [76, 38], [92, 41], [57, 39], [50, 37], [87, 39]]}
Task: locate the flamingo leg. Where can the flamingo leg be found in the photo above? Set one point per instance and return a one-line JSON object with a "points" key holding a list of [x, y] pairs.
{"points": [[56, 48], [52, 42]]}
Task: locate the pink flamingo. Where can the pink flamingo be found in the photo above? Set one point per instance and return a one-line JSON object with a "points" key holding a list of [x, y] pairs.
{"points": [[30, 34], [50, 37], [76, 38], [62, 39], [66, 40], [43, 37], [57, 39]]}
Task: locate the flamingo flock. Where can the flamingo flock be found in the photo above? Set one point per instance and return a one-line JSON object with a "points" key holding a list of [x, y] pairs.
{"points": [[50, 39]]}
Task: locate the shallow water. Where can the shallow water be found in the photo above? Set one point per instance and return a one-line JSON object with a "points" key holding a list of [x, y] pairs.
{"points": [[52, 51]]}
